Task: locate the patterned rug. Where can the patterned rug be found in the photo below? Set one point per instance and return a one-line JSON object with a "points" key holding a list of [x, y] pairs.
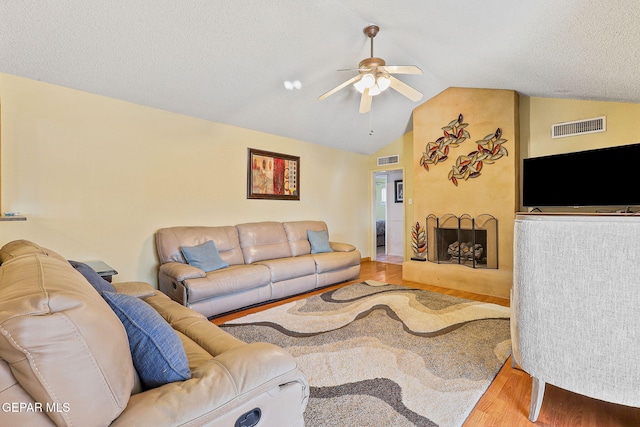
{"points": [[386, 355]]}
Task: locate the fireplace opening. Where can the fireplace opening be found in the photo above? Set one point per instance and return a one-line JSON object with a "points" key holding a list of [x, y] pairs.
{"points": [[463, 240], [461, 247]]}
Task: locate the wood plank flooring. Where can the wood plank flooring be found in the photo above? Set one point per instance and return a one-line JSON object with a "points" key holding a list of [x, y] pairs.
{"points": [[381, 256], [506, 402]]}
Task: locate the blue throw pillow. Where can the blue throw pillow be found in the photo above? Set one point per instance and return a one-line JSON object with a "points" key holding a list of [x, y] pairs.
{"points": [[319, 241], [157, 352], [92, 277], [204, 256]]}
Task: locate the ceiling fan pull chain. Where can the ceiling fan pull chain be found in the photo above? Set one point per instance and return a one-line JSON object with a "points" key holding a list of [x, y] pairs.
{"points": [[371, 121]]}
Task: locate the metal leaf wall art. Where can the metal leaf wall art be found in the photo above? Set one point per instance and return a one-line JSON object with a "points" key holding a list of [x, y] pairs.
{"points": [[438, 151], [490, 149]]}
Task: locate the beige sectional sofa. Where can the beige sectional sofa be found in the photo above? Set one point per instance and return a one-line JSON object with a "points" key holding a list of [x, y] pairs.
{"points": [[65, 357], [266, 261]]}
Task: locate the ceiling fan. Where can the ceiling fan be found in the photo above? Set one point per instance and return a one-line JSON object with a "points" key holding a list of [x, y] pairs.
{"points": [[374, 77]]}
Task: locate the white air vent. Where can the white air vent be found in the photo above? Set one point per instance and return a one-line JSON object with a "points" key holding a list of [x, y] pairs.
{"points": [[389, 160], [579, 127]]}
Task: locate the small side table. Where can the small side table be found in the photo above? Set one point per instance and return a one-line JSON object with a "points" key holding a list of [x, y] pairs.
{"points": [[103, 269]]}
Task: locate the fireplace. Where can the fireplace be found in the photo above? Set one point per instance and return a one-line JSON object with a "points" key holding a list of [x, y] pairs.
{"points": [[464, 240]]}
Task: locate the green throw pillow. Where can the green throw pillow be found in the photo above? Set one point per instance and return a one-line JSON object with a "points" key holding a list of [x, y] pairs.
{"points": [[319, 241], [204, 256], [157, 352]]}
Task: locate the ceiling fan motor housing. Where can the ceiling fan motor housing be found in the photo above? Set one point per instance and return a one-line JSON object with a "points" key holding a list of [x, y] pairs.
{"points": [[371, 64]]}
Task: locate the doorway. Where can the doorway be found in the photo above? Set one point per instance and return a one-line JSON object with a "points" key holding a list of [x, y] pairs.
{"points": [[388, 216]]}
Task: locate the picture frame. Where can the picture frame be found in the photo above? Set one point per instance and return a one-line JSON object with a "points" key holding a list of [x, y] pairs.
{"points": [[272, 175], [398, 191]]}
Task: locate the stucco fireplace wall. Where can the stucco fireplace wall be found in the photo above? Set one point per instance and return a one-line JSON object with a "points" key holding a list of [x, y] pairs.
{"points": [[494, 191]]}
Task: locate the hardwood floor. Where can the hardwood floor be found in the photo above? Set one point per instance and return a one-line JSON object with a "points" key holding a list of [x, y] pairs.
{"points": [[381, 256], [506, 401]]}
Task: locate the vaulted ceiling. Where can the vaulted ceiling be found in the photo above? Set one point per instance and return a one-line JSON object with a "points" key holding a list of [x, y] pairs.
{"points": [[226, 60]]}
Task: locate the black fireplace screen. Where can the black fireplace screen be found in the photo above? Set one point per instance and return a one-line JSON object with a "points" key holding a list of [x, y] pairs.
{"points": [[465, 240]]}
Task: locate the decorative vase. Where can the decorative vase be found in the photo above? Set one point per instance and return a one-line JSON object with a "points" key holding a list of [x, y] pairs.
{"points": [[418, 242]]}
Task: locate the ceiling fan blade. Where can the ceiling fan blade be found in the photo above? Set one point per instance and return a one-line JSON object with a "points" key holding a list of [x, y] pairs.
{"points": [[351, 69], [405, 89], [365, 101], [401, 69], [337, 88]]}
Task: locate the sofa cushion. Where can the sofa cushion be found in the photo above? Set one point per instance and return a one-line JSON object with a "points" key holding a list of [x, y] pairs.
{"points": [[297, 235], [169, 240], [156, 349], [236, 278], [319, 241], [135, 289], [18, 248], [204, 256], [92, 277], [289, 268], [54, 326], [263, 240], [331, 261], [212, 339]]}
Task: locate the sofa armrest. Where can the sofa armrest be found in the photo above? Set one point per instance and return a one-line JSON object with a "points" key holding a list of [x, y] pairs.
{"points": [[180, 272], [342, 247], [135, 289], [218, 387]]}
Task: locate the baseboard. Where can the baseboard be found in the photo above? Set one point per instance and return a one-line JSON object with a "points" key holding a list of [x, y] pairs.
{"points": [[365, 259]]}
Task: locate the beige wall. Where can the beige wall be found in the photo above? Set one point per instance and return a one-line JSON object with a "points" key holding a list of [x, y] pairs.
{"points": [[494, 192], [97, 176], [537, 115]]}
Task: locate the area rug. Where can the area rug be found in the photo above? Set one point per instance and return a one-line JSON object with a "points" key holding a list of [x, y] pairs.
{"points": [[385, 355]]}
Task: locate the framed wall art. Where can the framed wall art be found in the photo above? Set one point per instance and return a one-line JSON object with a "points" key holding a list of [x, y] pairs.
{"points": [[272, 175], [399, 191]]}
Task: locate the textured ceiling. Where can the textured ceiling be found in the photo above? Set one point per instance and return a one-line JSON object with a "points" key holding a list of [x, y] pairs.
{"points": [[226, 60]]}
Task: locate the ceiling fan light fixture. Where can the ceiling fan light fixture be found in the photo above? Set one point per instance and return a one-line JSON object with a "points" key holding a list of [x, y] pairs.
{"points": [[366, 82], [296, 84], [359, 86], [375, 90], [383, 82]]}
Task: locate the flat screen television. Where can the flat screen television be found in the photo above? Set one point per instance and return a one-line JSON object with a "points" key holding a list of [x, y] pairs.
{"points": [[602, 177]]}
